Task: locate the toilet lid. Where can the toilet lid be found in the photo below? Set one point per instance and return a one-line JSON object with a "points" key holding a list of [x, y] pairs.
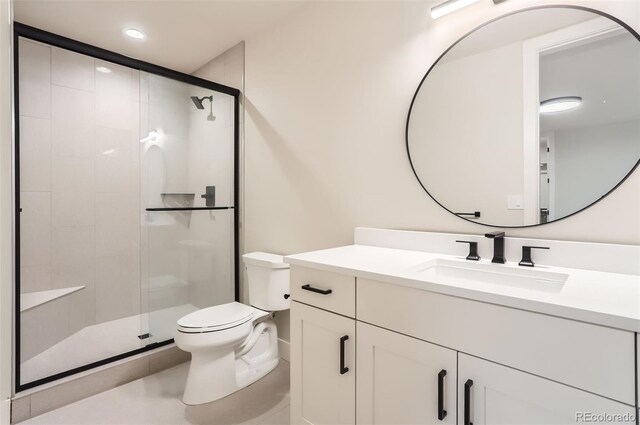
{"points": [[218, 317]]}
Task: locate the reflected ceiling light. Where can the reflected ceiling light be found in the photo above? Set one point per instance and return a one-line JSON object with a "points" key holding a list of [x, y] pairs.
{"points": [[108, 152], [449, 6], [151, 137], [133, 33], [560, 104], [103, 69]]}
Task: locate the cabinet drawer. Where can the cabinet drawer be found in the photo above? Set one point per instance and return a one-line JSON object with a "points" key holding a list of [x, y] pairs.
{"points": [[590, 357], [329, 291]]}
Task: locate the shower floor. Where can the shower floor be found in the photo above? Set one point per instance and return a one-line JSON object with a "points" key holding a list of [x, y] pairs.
{"points": [[104, 340]]}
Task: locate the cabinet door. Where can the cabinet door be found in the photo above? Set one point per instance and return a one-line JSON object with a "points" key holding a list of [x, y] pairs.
{"points": [[403, 380], [496, 395], [323, 385]]}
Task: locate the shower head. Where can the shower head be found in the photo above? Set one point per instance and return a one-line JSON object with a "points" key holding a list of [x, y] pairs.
{"points": [[198, 101]]}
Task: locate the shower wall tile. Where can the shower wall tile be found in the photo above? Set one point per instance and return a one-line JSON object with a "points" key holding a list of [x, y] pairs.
{"points": [[72, 127], [114, 167], [118, 83], [35, 278], [83, 305], [116, 229], [117, 291], [35, 79], [116, 94], [72, 69], [72, 208], [73, 245], [35, 229], [113, 112], [72, 174], [64, 275], [35, 154], [73, 191]]}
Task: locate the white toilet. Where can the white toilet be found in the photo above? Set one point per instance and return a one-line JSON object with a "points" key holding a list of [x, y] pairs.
{"points": [[233, 345]]}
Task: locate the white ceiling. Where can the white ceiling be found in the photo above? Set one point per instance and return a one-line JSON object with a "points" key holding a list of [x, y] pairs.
{"points": [[181, 34]]}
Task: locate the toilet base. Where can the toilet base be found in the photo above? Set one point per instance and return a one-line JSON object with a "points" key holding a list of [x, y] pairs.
{"points": [[218, 373]]}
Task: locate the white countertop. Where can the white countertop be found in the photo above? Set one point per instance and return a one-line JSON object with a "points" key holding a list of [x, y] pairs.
{"points": [[607, 299]]}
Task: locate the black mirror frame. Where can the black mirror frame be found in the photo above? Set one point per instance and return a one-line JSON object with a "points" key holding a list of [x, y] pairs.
{"points": [[554, 6]]}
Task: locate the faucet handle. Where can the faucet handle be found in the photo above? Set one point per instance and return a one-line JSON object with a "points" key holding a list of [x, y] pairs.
{"points": [[526, 255], [493, 235], [473, 250]]}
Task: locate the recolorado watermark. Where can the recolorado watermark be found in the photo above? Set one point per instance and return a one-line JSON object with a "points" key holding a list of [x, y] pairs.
{"points": [[602, 417]]}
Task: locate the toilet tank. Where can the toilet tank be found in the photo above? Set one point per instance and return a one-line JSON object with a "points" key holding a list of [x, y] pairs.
{"points": [[268, 281]]}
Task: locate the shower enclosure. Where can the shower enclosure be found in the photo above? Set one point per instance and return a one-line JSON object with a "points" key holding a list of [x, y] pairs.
{"points": [[125, 189]]}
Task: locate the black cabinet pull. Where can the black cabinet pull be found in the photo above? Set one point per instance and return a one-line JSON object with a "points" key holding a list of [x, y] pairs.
{"points": [[467, 402], [343, 368], [441, 412], [308, 287]]}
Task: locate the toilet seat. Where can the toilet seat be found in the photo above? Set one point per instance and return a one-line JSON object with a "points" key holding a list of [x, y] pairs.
{"points": [[216, 318]]}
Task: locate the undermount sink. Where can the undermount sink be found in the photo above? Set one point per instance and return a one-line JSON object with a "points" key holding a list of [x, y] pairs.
{"points": [[493, 273]]}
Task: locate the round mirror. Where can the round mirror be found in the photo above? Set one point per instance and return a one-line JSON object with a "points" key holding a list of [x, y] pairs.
{"points": [[530, 118]]}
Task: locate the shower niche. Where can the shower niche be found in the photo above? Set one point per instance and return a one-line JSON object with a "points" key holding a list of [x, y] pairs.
{"points": [[125, 198]]}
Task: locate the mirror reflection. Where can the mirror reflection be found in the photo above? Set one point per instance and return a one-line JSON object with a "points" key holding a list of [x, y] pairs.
{"points": [[530, 118]]}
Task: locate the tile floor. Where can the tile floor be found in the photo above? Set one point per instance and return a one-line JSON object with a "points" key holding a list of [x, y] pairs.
{"points": [[156, 399]]}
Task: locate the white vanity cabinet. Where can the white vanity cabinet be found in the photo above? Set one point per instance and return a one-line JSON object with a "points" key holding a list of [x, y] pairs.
{"points": [[323, 349], [419, 353], [402, 380]]}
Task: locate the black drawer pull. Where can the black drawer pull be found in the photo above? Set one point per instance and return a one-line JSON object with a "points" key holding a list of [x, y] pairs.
{"points": [[467, 402], [308, 287], [343, 368], [441, 412]]}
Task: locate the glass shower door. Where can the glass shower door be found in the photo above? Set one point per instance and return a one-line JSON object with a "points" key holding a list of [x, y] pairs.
{"points": [[187, 161]]}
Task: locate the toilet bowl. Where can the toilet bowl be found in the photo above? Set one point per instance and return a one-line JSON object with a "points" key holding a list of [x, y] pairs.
{"points": [[233, 345]]}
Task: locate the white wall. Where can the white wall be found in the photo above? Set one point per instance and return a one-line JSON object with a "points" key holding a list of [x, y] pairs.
{"points": [[6, 246], [326, 98], [456, 117]]}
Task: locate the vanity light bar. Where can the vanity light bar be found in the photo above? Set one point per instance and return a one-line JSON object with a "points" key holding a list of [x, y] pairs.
{"points": [[449, 6]]}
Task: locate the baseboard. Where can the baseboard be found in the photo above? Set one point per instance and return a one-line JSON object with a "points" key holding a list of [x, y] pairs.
{"points": [[5, 412], [283, 349]]}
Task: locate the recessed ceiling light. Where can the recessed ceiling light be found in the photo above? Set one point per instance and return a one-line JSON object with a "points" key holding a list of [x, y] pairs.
{"points": [[103, 69], [449, 6], [133, 33], [560, 104]]}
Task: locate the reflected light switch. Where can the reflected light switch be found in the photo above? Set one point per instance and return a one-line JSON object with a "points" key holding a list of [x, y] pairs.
{"points": [[515, 202]]}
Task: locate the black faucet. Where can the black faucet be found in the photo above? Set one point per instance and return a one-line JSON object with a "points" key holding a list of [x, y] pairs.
{"points": [[473, 250], [498, 246], [526, 255]]}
